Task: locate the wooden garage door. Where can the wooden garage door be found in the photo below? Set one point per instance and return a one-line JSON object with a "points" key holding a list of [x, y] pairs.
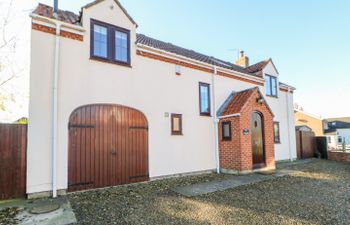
{"points": [[108, 146]]}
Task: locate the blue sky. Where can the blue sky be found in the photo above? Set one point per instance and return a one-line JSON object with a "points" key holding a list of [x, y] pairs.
{"points": [[309, 41]]}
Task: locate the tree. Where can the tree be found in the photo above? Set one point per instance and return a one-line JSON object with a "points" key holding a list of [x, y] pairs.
{"points": [[8, 40]]}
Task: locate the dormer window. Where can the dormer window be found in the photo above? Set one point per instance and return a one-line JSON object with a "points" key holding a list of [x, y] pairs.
{"points": [[121, 46], [110, 43], [271, 85], [100, 41]]}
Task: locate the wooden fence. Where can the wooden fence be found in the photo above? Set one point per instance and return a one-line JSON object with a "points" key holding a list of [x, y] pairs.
{"points": [[13, 145], [306, 144]]}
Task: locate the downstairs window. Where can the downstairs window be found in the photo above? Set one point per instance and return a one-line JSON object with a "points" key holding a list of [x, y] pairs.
{"points": [[276, 132]]}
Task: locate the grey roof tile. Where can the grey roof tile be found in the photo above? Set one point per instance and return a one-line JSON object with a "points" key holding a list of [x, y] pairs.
{"points": [[154, 43]]}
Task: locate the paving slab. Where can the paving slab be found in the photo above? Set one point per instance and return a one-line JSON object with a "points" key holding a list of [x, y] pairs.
{"points": [[233, 182], [56, 211]]}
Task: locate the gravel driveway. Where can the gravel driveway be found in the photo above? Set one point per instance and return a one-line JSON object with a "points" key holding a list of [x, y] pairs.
{"points": [[319, 194]]}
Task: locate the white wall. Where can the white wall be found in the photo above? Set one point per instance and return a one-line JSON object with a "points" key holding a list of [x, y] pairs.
{"points": [[280, 109], [345, 134], [332, 141], [150, 86]]}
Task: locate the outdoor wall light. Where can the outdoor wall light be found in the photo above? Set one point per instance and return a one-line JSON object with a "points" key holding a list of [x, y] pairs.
{"points": [[260, 100]]}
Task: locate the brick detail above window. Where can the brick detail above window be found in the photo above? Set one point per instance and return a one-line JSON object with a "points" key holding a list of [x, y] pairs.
{"points": [[63, 33]]}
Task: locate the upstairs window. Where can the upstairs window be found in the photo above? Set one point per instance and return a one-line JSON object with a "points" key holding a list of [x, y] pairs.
{"points": [[121, 46], [100, 41], [271, 85], [110, 43], [204, 99], [276, 132]]}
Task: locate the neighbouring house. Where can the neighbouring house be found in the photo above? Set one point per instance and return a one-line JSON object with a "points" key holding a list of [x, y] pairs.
{"points": [[303, 128], [110, 106], [305, 121], [337, 131]]}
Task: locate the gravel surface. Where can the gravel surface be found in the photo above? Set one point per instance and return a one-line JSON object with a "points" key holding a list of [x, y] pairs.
{"points": [[7, 216], [318, 194]]}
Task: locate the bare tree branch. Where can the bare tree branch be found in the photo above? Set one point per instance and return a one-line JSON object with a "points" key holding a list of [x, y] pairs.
{"points": [[8, 70], [5, 24], [7, 80]]}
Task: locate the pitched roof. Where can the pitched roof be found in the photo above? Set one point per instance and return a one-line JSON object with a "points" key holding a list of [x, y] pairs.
{"points": [[72, 18], [118, 3], [337, 123], [151, 42], [235, 103], [69, 17], [340, 119], [257, 66], [64, 16]]}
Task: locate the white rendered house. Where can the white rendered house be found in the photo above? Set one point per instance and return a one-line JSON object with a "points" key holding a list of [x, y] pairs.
{"points": [[109, 106]]}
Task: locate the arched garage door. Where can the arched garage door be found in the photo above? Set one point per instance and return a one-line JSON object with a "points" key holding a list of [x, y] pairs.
{"points": [[108, 146]]}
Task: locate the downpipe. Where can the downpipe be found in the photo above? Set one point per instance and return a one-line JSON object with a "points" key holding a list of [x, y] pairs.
{"points": [[288, 123], [55, 110], [215, 123], [58, 25]]}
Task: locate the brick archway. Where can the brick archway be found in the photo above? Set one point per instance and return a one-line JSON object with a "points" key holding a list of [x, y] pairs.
{"points": [[236, 154]]}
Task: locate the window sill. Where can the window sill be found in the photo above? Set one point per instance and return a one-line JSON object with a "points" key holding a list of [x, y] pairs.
{"points": [[277, 143], [176, 134], [205, 114], [271, 96], [94, 58], [226, 139]]}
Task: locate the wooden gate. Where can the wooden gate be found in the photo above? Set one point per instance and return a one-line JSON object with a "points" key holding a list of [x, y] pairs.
{"points": [[108, 146], [13, 145], [256, 126], [305, 141]]}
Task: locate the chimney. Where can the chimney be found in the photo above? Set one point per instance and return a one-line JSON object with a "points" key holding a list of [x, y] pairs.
{"points": [[55, 9], [243, 60]]}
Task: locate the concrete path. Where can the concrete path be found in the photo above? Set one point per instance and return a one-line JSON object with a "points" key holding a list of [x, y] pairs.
{"points": [[286, 164], [221, 185]]}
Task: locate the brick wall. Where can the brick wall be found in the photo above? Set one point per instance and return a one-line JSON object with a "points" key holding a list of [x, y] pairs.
{"points": [[237, 154], [339, 156], [51, 30], [230, 150]]}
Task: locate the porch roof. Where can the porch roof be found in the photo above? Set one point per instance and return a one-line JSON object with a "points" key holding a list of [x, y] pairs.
{"points": [[235, 103]]}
